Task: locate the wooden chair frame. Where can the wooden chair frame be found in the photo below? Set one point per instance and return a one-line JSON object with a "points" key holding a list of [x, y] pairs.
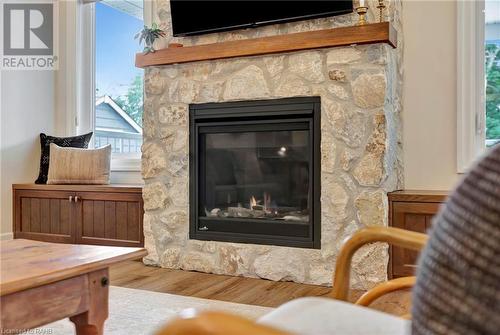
{"points": [[394, 236], [217, 323], [212, 323]]}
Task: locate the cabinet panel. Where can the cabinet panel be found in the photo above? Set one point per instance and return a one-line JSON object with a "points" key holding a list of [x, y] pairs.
{"points": [[65, 226], [414, 216], [44, 216], [98, 221], [55, 216], [134, 215], [110, 218], [413, 222], [87, 218], [25, 213], [121, 220], [45, 222], [35, 215]]}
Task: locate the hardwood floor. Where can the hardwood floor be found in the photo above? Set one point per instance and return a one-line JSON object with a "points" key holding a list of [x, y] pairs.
{"points": [[241, 290]]}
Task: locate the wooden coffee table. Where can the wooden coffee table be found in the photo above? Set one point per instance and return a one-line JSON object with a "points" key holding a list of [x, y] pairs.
{"points": [[44, 282]]}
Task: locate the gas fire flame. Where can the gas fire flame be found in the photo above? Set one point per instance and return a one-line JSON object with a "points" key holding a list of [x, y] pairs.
{"points": [[253, 202], [267, 201]]}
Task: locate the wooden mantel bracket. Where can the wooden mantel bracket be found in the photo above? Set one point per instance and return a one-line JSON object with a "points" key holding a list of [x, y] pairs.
{"points": [[367, 34]]}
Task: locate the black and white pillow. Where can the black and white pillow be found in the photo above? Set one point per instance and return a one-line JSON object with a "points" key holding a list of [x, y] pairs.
{"points": [[80, 141]]}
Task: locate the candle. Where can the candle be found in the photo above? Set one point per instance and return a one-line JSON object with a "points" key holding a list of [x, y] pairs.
{"points": [[361, 3]]}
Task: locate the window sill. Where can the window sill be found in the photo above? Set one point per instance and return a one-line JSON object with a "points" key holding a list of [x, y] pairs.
{"points": [[126, 165]]}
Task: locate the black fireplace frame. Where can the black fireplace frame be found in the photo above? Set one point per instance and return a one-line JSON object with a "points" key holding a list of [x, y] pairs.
{"points": [[276, 114]]}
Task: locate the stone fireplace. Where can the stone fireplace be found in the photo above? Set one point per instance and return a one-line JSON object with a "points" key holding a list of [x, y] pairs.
{"points": [[358, 88]]}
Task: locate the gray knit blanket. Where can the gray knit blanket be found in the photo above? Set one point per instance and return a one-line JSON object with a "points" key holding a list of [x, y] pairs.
{"points": [[458, 279]]}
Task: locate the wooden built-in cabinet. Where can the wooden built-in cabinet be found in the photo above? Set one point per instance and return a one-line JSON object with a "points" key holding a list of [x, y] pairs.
{"points": [[411, 210], [81, 214]]}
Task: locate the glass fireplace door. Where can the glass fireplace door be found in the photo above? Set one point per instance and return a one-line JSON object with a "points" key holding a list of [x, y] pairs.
{"points": [[261, 175]]}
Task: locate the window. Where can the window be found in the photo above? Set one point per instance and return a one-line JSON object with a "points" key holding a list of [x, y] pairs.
{"points": [[478, 79], [111, 85], [492, 71], [118, 83]]}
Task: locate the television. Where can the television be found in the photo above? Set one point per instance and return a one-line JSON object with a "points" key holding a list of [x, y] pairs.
{"points": [[195, 17]]}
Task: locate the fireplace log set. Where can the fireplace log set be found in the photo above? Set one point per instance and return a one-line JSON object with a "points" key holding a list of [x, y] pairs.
{"points": [[258, 212]]}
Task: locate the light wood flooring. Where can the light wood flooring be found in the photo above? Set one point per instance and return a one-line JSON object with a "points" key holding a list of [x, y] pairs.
{"points": [[241, 290]]}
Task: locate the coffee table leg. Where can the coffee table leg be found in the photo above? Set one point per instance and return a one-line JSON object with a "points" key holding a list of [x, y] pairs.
{"points": [[91, 322]]}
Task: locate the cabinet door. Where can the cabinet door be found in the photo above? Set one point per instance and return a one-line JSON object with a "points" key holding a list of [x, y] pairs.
{"points": [[415, 217], [44, 216], [109, 218]]}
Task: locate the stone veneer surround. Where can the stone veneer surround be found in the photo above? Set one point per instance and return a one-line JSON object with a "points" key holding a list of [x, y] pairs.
{"points": [[360, 147]]}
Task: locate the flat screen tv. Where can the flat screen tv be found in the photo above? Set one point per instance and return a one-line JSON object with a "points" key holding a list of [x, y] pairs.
{"points": [[190, 17]]}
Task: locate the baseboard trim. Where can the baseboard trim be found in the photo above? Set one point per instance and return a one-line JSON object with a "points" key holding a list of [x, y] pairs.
{"points": [[6, 236]]}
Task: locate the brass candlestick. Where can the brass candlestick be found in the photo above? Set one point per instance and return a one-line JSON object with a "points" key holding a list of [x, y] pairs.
{"points": [[361, 10], [381, 7]]}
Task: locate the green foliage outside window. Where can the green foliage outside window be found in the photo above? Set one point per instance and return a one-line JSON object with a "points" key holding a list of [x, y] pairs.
{"points": [[492, 68], [131, 102]]}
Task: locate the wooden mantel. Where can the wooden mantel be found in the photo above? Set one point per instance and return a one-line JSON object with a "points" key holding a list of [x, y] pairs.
{"points": [[371, 33]]}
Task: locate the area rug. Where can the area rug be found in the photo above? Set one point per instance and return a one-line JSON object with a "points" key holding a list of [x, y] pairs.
{"points": [[138, 312]]}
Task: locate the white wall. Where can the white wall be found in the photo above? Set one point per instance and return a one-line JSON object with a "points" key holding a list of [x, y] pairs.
{"points": [[429, 94], [27, 108]]}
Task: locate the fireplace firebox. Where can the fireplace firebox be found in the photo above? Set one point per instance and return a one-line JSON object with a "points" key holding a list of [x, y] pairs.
{"points": [[255, 172]]}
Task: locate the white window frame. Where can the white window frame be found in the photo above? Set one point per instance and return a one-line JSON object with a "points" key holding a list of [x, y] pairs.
{"points": [[85, 76], [471, 117]]}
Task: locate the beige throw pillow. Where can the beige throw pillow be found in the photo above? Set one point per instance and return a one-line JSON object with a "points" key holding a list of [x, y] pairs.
{"points": [[79, 166]]}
